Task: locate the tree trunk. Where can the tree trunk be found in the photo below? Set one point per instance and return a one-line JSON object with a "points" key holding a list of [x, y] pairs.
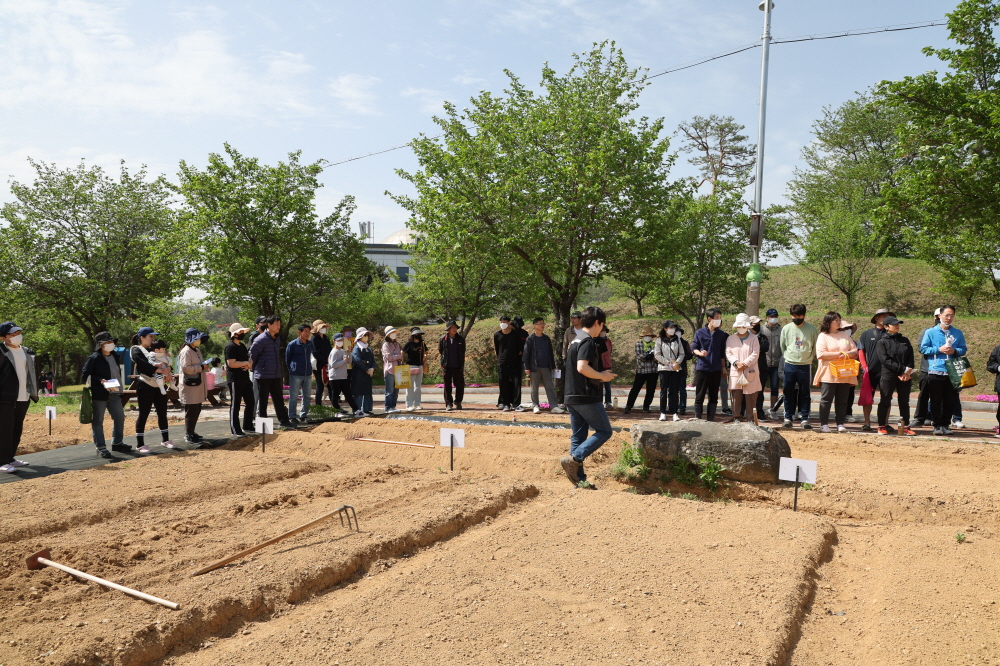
{"points": [[638, 307]]}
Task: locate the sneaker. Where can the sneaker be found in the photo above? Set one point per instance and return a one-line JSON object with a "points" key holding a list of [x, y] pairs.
{"points": [[727, 411], [369, 413], [235, 434], [18, 463], [676, 418], [505, 408], [170, 445], [188, 439], [448, 408], [8, 468], [883, 431], [841, 428], [786, 424], [823, 428], [458, 406], [663, 417], [557, 410], [143, 449], [805, 425], [957, 424], [946, 430], [866, 427], [937, 431], [569, 466], [104, 453], [359, 414], [890, 430], [196, 437], [121, 448], [393, 410], [608, 405], [916, 423], [850, 419], [520, 408], [536, 409], [907, 432]]}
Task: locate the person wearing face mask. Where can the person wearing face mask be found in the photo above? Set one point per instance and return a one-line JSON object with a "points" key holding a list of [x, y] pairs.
{"points": [[103, 372], [668, 352], [392, 355], [710, 347], [518, 323], [742, 351], [363, 359], [508, 347], [259, 327], [646, 370], [340, 382], [238, 367], [868, 355], [682, 401], [764, 344], [896, 360], [771, 329], [451, 351], [152, 372], [415, 355], [798, 347], [191, 390], [18, 387], [940, 344], [299, 359], [834, 342], [321, 352]]}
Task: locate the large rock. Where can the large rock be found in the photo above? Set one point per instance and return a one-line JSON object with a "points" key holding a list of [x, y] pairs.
{"points": [[748, 452]]}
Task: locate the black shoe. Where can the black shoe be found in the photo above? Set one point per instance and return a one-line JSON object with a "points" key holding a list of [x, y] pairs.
{"points": [[889, 429], [458, 406], [188, 439], [727, 411], [122, 448], [239, 434], [286, 424], [645, 410], [104, 453], [627, 411]]}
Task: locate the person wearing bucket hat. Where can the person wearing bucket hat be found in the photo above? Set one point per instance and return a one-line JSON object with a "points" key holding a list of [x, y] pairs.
{"points": [[102, 369], [415, 355], [392, 355], [834, 344], [868, 355], [321, 353], [18, 388], [364, 367], [192, 390], [742, 352], [896, 359], [237, 359], [340, 381], [645, 370], [451, 351]]}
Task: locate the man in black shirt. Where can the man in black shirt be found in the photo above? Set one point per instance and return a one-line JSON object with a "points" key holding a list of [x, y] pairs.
{"points": [[509, 346], [238, 373], [873, 369], [585, 377], [451, 347]]}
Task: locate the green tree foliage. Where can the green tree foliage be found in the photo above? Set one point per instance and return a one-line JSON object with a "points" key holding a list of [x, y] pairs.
{"points": [[553, 180], [86, 246], [254, 231], [719, 149], [950, 145]]}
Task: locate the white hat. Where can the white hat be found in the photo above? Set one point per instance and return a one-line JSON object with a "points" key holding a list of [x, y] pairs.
{"points": [[742, 321], [361, 332], [937, 313], [388, 330], [237, 327]]}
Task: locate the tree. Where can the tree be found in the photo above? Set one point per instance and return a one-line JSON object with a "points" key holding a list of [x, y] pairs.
{"points": [[949, 184], [85, 245], [554, 181], [720, 150], [261, 246]]}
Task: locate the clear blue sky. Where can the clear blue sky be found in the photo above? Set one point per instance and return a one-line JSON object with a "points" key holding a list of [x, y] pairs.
{"points": [[154, 83]]}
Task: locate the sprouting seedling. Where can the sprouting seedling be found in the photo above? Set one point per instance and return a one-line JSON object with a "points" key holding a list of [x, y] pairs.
{"points": [[959, 537]]}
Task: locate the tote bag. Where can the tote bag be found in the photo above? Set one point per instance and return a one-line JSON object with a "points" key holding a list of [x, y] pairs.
{"points": [[402, 374]]}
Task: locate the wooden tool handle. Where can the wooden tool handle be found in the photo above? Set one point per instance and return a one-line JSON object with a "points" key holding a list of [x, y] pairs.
{"points": [[107, 583], [389, 441]]}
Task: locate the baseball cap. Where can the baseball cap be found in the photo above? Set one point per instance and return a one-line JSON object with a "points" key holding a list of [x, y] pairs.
{"points": [[146, 330], [9, 327], [772, 312], [259, 320], [892, 320]]}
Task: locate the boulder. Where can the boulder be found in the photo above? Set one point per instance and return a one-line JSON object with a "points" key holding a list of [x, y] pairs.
{"points": [[748, 452]]}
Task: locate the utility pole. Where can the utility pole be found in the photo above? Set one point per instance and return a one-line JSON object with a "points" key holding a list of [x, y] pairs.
{"points": [[754, 275]]}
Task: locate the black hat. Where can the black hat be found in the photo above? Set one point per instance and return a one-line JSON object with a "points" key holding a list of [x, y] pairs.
{"points": [[260, 320], [891, 319], [451, 323], [771, 312], [576, 315]]}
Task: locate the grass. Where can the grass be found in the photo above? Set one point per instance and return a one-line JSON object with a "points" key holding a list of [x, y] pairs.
{"points": [[631, 464], [690, 496], [65, 403], [711, 472]]}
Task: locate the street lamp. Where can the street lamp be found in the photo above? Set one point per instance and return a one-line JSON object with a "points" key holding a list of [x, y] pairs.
{"points": [[754, 275]]}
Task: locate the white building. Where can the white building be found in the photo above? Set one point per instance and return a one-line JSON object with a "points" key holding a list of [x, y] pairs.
{"points": [[391, 254]]}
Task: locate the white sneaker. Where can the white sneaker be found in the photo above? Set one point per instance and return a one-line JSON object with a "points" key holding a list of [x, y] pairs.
{"points": [[957, 424], [9, 469], [825, 428], [536, 409], [391, 411], [417, 408], [557, 410], [842, 428], [676, 418], [663, 417], [360, 413], [168, 444], [18, 463], [505, 408]]}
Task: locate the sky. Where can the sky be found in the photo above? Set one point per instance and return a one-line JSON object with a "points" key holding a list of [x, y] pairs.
{"points": [[156, 83]]}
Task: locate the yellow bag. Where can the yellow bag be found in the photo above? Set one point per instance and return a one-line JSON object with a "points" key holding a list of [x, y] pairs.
{"points": [[845, 367], [402, 373]]}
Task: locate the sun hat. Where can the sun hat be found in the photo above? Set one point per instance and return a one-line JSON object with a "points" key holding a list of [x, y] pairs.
{"points": [[844, 325], [318, 324], [237, 327], [191, 334], [361, 332], [389, 330], [416, 331], [891, 319], [647, 330], [742, 321], [754, 319], [882, 311]]}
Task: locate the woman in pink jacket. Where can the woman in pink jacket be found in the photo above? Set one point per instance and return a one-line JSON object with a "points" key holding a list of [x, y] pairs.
{"points": [[742, 350], [834, 342]]}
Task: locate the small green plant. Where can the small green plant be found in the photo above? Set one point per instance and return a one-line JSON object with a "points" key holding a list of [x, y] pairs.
{"points": [[631, 464], [807, 486], [588, 485], [689, 496], [711, 472], [959, 537], [684, 471], [441, 469], [633, 490], [664, 478], [664, 493]]}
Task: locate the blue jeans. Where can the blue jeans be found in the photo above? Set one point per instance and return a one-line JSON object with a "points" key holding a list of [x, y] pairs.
{"points": [[771, 376], [797, 385], [391, 392], [581, 419], [113, 406], [299, 384]]}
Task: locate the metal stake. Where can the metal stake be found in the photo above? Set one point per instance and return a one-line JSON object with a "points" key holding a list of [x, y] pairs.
{"points": [[452, 449], [795, 504]]}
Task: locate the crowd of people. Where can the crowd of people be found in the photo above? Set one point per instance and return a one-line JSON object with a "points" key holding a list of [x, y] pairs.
{"points": [[790, 359]]}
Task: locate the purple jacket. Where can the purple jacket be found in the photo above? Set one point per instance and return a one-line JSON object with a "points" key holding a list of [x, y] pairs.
{"points": [[265, 352], [714, 342]]}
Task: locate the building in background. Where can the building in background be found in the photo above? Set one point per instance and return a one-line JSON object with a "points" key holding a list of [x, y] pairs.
{"points": [[391, 253]]}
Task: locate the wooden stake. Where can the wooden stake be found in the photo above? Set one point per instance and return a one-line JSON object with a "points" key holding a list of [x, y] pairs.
{"points": [[388, 441]]}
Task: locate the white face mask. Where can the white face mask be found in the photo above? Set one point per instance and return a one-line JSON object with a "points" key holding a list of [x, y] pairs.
{"points": [[108, 346], [716, 323], [16, 340], [742, 331], [392, 336], [647, 338], [772, 320], [322, 331], [504, 325], [671, 331]]}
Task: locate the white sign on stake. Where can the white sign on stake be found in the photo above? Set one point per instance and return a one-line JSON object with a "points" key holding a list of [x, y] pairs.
{"points": [[807, 470], [446, 434], [50, 413], [265, 426]]}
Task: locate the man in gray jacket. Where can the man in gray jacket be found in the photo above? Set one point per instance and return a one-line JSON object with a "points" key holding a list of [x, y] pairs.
{"points": [[18, 386], [775, 360]]}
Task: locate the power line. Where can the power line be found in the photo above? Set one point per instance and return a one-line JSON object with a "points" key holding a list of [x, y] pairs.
{"points": [[898, 27]]}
